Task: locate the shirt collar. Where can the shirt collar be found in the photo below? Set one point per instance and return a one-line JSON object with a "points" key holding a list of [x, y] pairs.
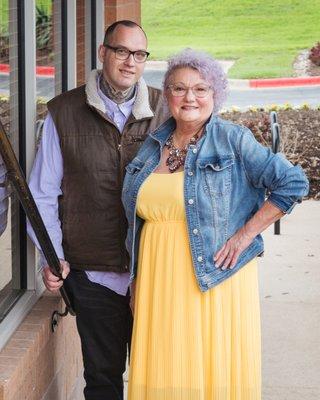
{"points": [[111, 106]]}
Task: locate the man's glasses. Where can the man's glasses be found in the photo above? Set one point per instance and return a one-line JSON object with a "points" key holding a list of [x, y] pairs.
{"points": [[122, 53], [179, 90]]}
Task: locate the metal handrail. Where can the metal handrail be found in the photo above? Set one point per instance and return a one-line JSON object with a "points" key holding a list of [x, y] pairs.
{"points": [[16, 177], [275, 139]]}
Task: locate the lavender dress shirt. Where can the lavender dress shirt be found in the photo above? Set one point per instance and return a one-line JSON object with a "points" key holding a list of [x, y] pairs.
{"points": [[45, 185]]}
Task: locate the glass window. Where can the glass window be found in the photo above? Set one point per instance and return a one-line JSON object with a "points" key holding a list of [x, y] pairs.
{"points": [[47, 47], [55, 70], [12, 280]]}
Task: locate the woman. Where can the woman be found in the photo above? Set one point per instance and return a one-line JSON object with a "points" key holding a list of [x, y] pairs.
{"points": [[195, 202]]}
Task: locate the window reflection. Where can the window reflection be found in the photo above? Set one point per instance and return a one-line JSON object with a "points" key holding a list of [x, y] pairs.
{"points": [[10, 282]]}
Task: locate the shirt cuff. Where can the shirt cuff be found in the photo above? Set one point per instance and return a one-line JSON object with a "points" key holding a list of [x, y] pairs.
{"points": [[285, 204], [43, 261]]}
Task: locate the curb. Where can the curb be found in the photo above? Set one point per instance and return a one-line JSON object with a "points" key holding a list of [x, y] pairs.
{"points": [[156, 65], [40, 70], [50, 71], [282, 82], [238, 84]]}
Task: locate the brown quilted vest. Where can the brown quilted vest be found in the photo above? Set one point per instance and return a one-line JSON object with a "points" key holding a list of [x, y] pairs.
{"points": [[94, 157]]}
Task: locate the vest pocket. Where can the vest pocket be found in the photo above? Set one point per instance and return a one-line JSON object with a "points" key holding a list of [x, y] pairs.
{"points": [[216, 174]]}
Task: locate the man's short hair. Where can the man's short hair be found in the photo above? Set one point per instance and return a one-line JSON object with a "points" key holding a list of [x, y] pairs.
{"points": [[124, 22]]}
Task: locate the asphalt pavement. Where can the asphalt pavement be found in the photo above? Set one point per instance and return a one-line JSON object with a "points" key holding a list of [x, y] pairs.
{"points": [[244, 97], [239, 94]]}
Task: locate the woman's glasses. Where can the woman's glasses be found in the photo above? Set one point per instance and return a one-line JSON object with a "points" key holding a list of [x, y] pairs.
{"points": [[179, 90]]}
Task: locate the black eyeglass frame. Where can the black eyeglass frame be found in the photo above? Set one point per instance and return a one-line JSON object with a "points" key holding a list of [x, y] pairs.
{"points": [[129, 53]]}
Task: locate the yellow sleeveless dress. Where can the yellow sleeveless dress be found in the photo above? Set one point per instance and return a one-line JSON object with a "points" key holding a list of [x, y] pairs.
{"points": [[186, 344]]}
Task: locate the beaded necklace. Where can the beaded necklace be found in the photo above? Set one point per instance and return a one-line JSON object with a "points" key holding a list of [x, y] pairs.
{"points": [[177, 157]]}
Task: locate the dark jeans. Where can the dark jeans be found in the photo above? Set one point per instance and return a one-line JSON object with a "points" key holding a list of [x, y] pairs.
{"points": [[104, 322]]}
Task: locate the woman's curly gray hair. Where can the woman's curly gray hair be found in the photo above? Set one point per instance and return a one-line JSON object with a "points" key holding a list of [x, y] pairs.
{"points": [[208, 68]]}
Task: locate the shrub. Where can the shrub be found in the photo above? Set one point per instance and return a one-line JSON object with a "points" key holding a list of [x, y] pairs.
{"points": [[287, 106], [272, 107], [257, 121], [314, 55], [43, 27], [260, 127], [4, 46]]}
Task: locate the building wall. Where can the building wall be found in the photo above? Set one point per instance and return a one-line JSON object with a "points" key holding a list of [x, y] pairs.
{"points": [[35, 363], [38, 364], [116, 10], [81, 55]]}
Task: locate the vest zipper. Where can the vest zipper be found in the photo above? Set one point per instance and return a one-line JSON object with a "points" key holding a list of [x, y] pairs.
{"points": [[123, 230]]}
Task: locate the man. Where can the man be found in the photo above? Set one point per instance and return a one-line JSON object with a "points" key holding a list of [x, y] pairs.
{"points": [[3, 197], [89, 136]]}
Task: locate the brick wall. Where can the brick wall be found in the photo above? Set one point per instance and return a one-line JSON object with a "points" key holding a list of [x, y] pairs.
{"points": [[114, 11], [81, 56], [38, 364], [35, 363], [122, 9]]}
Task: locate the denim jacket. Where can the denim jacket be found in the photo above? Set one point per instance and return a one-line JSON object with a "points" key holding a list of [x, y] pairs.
{"points": [[227, 176]]}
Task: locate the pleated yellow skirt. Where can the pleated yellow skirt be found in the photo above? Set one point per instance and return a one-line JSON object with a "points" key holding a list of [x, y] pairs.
{"points": [[186, 344]]}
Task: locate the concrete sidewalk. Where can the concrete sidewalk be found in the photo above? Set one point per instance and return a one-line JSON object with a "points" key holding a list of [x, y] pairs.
{"points": [[290, 307]]}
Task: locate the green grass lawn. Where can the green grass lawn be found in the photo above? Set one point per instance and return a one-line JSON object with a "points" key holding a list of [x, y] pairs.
{"points": [[4, 11], [263, 36], [4, 4]]}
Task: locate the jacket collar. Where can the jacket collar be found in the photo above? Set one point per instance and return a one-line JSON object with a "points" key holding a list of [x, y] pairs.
{"points": [[141, 106], [163, 132]]}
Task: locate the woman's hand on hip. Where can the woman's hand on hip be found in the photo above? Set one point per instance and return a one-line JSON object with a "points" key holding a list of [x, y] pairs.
{"points": [[228, 255]]}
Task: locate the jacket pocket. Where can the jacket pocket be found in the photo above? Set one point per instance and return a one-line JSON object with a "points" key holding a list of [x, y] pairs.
{"points": [[134, 166], [132, 170], [215, 174]]}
